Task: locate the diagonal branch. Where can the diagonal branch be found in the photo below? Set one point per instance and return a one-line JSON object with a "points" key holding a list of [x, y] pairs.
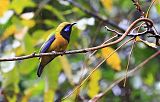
{"points": [[130, 73], [148, 21], [97, 66]]}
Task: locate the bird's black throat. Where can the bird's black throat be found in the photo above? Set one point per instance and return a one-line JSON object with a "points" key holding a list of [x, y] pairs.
{"points": [[66, 33]]}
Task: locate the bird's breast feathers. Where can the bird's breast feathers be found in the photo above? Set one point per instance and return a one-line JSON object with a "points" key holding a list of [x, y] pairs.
{"points": [[59, 44]]}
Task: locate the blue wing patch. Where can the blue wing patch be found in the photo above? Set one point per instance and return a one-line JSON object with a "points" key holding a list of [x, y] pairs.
{"points": [[47, 44]]}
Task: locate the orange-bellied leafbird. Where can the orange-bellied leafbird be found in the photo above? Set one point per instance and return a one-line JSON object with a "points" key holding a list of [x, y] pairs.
{"points": [[57, 41]]}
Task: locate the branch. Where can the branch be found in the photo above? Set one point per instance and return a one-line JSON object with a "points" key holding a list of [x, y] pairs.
{"points": [[94, 69], [111, 23], [83, 50], [138, 7], [130, 73]]}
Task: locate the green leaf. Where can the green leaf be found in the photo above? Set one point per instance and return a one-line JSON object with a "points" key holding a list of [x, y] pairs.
{"points": [[56, 12], [38, 34], [74, 37], [149, 80], [34, 89], [66, 68], [29, 44], [19, 5], [158, 8], [27, 66], [11, 78], [10, 84], [51, 71]]}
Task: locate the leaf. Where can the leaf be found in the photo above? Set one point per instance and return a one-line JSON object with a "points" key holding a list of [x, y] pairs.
{"points": [[149, 80], [138, 39], [51, 23], [157, 5], [66, 68], [27, 66], [28, 49], [8, 32], [10, 84], [11, 79], [150, 44], [38, 34], [49, 96], [19, 5], [93, 86], [19, 51], [75, 34], [107, 4], [114, 61], [29, 44], [56, 12], [51, 71], [36, 88], [4, 4], [28, 23]]}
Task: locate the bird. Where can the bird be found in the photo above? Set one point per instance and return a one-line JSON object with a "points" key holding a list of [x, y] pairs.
{"points": [[57, 41]]}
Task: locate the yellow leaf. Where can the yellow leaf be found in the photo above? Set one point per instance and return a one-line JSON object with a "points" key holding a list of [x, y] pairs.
{"points": [[31, 91], [114, 60], [96, 75], [8, 32], [48, 96], [138, 39], [150, 44], [3, 6], [107, 4], [28, 23], [157, 1], [19, 50], [67, 68], [93, 86]]}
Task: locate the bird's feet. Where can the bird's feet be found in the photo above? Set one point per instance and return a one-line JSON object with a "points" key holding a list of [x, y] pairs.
{"points": [[63, 52]]}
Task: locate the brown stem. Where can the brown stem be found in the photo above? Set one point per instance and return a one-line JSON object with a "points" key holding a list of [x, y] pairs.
{"points": [[86, 49], [130, 73]]}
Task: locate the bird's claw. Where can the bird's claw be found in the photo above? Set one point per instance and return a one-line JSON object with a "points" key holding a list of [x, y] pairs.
{"points": [[63, 52]]}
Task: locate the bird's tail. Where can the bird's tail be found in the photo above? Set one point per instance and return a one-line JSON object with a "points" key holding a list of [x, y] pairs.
{"points": [[40, 69]]}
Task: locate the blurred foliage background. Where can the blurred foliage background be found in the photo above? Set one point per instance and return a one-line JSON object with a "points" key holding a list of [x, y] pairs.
{"points": [[24, 26]]}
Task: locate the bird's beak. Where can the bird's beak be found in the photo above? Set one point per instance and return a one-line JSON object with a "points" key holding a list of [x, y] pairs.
{"points": [[73, 24]]}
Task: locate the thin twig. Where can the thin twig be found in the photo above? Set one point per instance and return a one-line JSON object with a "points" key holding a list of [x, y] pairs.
{"points": [[103, 44], [128, 62], [96, 69], [138, 7], [147, 14], [131, 34], [130, 73]]}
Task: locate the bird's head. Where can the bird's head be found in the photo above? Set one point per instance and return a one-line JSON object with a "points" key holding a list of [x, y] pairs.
{"points": [[65, 29]]}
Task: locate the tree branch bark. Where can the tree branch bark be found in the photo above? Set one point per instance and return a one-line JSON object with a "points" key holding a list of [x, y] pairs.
{"points": [[146, 20]]}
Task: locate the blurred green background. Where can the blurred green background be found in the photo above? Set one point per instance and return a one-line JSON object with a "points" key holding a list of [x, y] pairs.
{"points": [[24, 26]]}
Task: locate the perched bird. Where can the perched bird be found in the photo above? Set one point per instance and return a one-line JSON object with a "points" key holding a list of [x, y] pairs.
{"points": [[55, 42]]}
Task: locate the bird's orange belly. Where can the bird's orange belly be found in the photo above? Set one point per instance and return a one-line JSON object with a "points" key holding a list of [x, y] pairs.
{"points": [[60, 44]]}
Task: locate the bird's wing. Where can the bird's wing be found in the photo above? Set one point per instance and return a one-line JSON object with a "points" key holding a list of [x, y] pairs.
{"points": [[47, 44]]}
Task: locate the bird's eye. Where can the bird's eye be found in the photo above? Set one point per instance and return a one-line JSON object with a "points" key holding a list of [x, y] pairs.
{"points": [[67, 29]]}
